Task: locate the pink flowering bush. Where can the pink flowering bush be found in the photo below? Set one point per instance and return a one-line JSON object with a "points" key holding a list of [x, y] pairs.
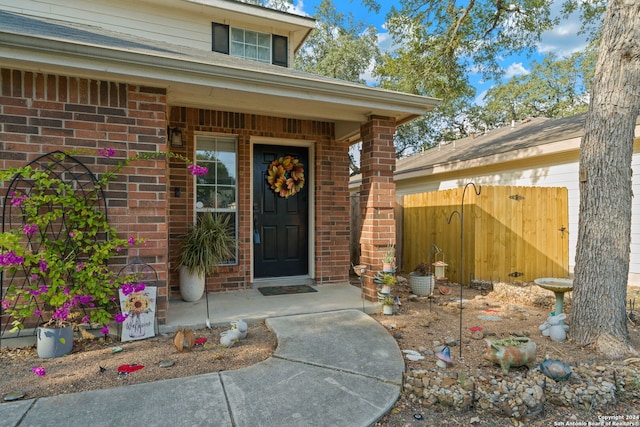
{"points": [[64, 268]]}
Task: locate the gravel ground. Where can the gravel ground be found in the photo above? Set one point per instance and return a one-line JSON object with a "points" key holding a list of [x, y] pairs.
{"points": [[469, 391]]}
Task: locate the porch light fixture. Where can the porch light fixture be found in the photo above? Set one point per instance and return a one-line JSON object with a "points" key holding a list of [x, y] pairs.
{"points": [[176, 137]]}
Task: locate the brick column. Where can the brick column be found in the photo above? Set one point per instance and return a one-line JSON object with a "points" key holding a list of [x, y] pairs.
{"points": [[377, 196]]}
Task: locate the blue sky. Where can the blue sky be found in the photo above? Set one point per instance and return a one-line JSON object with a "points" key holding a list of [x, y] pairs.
{"points": [[562, 41]]}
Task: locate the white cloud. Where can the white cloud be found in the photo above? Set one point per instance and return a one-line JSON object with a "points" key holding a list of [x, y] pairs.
{"points": [[298, 9], [515, 69], [564, 39], [480, 98]]}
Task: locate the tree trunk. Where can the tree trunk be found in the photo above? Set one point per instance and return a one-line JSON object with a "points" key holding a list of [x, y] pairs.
{"points": [[604, 229]]}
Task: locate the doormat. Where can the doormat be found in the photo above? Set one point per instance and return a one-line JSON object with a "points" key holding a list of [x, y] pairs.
{"points": [[285, 290]]}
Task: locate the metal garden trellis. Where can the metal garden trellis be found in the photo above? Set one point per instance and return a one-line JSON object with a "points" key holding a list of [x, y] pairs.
{"points": [[67, 169], [460, 214]]}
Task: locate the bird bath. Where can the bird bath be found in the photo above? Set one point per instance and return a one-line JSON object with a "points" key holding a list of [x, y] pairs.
{"points": [[558, 287]]}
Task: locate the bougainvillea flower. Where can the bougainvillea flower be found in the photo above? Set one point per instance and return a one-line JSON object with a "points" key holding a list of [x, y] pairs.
{"points": [[476, 328], [84, 299], [16, 200], [198, 170], [29, 229], [104, 330], [107, 152], [10, 258], [39, 371], [129, 288]]}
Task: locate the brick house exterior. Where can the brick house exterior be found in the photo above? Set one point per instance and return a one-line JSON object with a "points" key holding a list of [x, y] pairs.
{"points": [[77, 88]]}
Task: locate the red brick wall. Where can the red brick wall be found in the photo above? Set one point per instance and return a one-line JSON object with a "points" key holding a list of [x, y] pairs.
{"points": [[40, 113], [331, 169], [377, 196]]}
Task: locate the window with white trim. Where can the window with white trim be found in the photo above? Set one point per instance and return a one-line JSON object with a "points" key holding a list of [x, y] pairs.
{"points": [[249, 44], [217, 191]]}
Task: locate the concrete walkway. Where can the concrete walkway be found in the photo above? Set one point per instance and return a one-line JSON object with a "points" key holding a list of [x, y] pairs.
{"points": [[338, 368]]}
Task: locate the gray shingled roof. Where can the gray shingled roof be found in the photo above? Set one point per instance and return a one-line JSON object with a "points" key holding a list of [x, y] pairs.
{"points": [[525, 134]]}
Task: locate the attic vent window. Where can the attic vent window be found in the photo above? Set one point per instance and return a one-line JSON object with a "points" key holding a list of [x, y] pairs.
{"points": [[248, 44]]}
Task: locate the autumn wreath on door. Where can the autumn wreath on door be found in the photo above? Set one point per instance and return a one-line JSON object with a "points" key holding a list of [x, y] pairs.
{"points": [[286, 176]]}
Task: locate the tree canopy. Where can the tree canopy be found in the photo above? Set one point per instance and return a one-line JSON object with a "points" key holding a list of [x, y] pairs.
{"points": [[437, 45]]}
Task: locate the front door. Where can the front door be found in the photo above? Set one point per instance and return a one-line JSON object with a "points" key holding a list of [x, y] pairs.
{"points": [[280, 214]]}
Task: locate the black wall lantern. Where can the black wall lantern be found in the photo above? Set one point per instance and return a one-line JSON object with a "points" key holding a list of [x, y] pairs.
{"points": [[176, 137]]}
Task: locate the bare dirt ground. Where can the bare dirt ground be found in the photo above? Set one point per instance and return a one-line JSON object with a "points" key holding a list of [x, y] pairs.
{"points": [[419, 324], [94, 365]]}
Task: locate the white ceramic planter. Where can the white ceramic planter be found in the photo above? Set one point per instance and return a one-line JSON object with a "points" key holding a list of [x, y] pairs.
{"points": [[191, 285], [421, 285]]}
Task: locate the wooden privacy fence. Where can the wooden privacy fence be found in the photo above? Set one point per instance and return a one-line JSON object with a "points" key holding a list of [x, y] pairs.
{"points": [[510, 233]]}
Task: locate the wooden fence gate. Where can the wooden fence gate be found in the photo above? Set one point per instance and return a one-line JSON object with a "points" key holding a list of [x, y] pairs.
{"points": [[510, 233]]}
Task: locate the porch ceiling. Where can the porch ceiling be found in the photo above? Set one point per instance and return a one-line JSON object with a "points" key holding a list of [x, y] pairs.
{"points": [[197, 78]]}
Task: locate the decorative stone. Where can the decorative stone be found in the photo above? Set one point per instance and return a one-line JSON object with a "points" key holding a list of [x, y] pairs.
{"points": [[14, 395], [477, 335], [413, 355], [166, 363], [489, 318]]}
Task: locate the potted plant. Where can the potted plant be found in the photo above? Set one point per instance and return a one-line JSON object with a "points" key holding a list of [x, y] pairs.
{"points": [[54, 261], [387, 303], [385, 281], [389, 259], [421, 280], [207, 244]]}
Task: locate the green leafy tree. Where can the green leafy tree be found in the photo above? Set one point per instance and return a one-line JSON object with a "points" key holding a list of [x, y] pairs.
{"points": [[339, 47], [438, 43], [554, 88]]}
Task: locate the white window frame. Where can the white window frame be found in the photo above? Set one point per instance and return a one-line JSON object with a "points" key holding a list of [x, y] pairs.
{"points": [[248, 45], [197, 206]]}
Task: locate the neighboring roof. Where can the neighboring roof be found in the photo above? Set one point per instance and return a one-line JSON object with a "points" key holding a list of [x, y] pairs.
{"points": [[198, 78], [524, 134], [494, 146], [539, 136]]}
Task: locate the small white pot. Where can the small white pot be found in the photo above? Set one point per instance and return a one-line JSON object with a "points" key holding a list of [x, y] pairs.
{"points": [[387, 309]]}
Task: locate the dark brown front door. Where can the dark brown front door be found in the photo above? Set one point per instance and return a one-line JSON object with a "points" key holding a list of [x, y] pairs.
{"points": [[280, 224]]}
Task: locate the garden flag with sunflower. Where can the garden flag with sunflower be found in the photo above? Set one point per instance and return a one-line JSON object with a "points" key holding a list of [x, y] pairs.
{"points": [[138, 305]]}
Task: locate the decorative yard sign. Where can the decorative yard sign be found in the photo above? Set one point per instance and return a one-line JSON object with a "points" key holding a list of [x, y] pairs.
{"points": [[139, 308]]}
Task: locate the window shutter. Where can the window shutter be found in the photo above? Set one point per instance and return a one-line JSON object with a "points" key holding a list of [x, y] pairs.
{"points": [[220, 38], [279, 50]]}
